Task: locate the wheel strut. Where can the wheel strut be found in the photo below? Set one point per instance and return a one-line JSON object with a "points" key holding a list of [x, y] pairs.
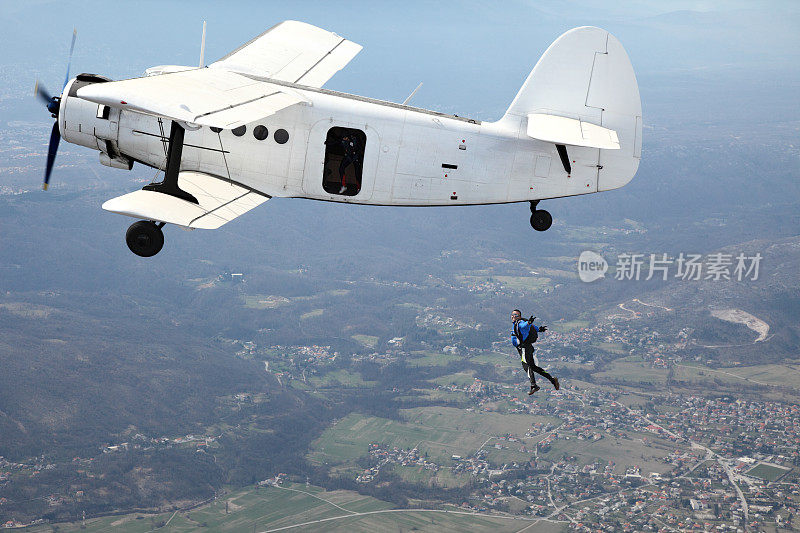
{"points": [[169, 185]]}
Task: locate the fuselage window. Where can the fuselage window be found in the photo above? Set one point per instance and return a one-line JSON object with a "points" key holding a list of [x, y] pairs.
{"points": [[241, 130], [344, 156], [103, 111], [281, 136], [260, 132]]}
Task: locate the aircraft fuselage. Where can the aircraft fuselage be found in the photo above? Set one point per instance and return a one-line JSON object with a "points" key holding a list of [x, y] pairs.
{"points": [[411, 156]]}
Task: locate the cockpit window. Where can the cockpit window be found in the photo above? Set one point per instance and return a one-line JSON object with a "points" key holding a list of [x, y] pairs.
{"points": [[344, 156]]}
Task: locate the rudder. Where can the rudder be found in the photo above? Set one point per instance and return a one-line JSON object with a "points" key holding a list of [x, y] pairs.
{"points": [[586, 75]]}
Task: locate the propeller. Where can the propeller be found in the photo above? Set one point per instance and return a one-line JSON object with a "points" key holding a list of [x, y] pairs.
{"points": [[52, 104], [52, 148]]}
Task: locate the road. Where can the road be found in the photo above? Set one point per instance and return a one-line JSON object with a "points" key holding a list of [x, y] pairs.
{"points": [[367, 513]]}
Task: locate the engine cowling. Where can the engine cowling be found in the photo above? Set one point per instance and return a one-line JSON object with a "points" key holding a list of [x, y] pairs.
{"points": [[89, 124]]}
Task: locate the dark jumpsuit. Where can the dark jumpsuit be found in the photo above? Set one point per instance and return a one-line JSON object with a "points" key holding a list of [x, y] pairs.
{"points": [[526, 349]]}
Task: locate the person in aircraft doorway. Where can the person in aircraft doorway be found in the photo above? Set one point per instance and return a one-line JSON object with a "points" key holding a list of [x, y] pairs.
{"points": [[351, 151], [523, 334]]}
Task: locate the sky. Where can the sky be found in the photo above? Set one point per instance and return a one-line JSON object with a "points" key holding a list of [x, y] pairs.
{"points": [[471, 55], [710, 74]]}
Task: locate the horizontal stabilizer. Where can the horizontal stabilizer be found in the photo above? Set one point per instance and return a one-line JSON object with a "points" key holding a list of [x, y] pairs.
{"points": [[570, 131], [219, 203]]}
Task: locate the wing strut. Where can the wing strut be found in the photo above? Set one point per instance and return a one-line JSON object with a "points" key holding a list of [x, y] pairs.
{"points": [[169, 185], [562, 153]]}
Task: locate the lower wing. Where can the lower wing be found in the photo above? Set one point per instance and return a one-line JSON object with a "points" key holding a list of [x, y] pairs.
{"points": [[219, 202]]}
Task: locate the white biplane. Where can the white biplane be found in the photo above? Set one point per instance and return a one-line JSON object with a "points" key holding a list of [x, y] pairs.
{"points": [[257, 124]]}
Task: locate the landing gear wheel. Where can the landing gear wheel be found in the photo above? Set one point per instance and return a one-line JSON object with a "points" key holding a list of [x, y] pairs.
{"points": [[541, 220], [144, 238]]}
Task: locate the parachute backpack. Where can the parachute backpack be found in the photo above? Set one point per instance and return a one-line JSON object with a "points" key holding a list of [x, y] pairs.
{"points": [[533, 335]]}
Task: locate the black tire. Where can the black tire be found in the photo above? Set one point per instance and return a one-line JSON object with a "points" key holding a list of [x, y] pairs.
{"points": [[144, 238], [541, 220]]}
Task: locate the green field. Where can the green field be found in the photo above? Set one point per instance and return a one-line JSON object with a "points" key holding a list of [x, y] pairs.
{"points": [[264, 301], [370, 341], [525, 283], [450, 397], [473, 422], [338, 292], [311, 508], [767, 472], [509, 358], [431, 359], [346, 378], [634, 373], [459, 379], [443, 478], [787, 375], [312, 314], [446, 478], [613, 347], [623, 451], [564, 327], [509, 452], [348, 439], [439, 432]]}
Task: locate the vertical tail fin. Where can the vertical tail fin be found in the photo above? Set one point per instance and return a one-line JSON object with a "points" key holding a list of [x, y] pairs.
{"points": [[586, 75]]}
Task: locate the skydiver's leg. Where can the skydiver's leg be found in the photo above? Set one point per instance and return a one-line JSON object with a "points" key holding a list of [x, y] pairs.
{"points": [[541, 371], [343, 170], [529, 373], [528, 366], [346, 162]]}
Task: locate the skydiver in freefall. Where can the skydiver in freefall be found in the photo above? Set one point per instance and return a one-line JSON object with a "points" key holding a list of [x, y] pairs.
{"points": [[523, 334]]}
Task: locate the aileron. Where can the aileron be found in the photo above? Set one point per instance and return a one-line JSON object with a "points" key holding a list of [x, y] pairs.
{"points": [[293, 52]]}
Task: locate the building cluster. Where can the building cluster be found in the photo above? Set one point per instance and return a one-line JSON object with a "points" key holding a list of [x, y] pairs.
{"points": [[429, 318], [276, 480], [376, 357], [383, 456], [767, 430], [715, 463]]}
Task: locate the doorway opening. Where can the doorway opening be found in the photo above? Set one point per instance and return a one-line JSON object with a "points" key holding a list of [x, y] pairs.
{"points": [[344, 161]]}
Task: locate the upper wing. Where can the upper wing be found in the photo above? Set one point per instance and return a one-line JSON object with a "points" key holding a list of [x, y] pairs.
{"points": [[207, 97], [219, 203], [292, 51]]}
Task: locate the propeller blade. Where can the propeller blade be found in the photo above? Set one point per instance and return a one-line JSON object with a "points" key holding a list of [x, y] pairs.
{"points": [[42, 93], [52, 148], [69, 61]]}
